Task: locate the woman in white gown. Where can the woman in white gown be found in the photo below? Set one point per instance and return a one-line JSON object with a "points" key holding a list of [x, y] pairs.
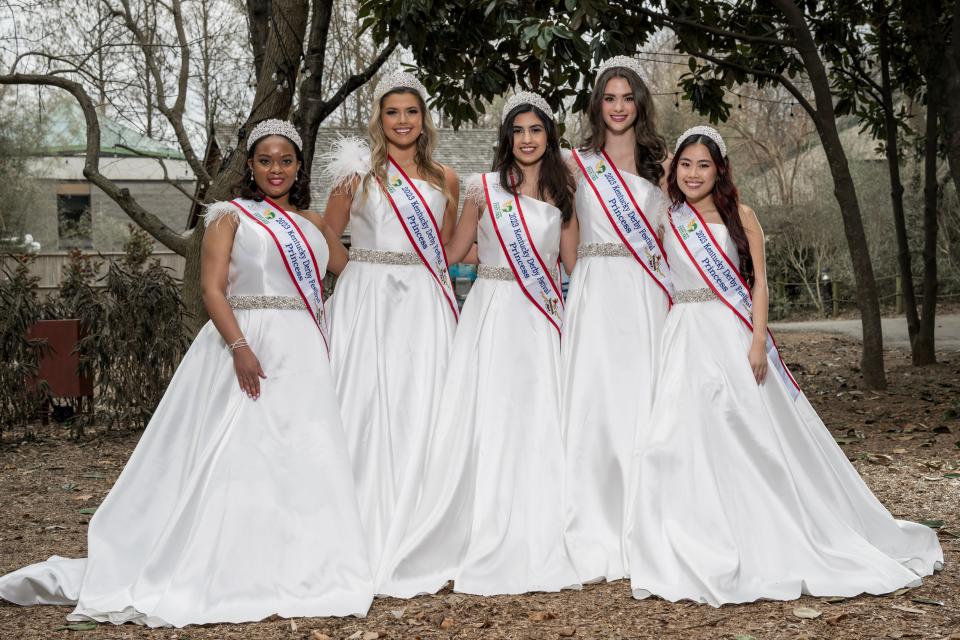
{"points": [[616, 307], [238, 502], [483, 506], [741, 492], [393, 313]]}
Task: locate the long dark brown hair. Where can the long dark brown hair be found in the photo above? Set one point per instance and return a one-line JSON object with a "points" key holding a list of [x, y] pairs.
{"points": [[299, 192], [651, 149], [555, 179], [725, 197]]}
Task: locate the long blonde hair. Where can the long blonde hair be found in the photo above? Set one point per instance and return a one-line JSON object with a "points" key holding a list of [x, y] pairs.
{"points": [[429, 169]]}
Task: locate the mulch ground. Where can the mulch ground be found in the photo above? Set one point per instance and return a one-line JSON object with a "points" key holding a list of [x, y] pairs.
{"points": [[905, 442]]}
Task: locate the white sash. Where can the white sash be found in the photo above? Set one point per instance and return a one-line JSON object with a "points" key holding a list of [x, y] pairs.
{"points": [[724, 279], [421, 228], [528, 267], [626, 216], [296, 253]]}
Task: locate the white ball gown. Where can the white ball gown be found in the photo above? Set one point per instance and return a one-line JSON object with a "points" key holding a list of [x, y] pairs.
{"points": [[741, 493], [483, 506], [230, 509], [611, 346], [391, 330]]}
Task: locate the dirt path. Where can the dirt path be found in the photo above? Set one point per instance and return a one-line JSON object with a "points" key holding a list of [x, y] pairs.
{"points": [[904, 441], [947, 335]]}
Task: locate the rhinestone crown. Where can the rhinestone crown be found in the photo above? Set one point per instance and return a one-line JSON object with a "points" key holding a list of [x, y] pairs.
{"points": [[623, 61], [702, 130], [526, 97], [397, 80], [274, 127]]}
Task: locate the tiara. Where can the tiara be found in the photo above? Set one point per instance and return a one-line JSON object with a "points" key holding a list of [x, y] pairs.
{"points": [[708, 132], [398, 80], [526, 97], [623, 61], [274, 127]]}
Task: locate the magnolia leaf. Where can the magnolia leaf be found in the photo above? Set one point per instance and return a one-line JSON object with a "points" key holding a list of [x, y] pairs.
{"points": [[806, 613], [907, 609], [933, 524], [88, 511], [935, 603]]}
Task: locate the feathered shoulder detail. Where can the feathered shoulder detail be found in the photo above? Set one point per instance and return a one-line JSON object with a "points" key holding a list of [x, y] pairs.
{"points": [[346, 159], [474, 191], [218, 210]]}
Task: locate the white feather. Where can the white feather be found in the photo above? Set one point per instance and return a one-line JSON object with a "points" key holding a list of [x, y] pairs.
{"points": [[475, 191], [347, 158], [217, 210]]}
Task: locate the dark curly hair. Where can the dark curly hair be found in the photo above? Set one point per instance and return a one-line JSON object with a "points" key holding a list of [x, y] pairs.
{"points": [[555, 178], [725, 197], [651, 149], [299, 192]]}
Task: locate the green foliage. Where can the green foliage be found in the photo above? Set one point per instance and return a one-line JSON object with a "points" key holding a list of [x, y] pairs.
{"points": [[18, 140], [20, 309], [142, 338]]}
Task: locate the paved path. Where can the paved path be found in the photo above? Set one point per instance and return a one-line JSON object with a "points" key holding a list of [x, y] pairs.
{"points": [[894, 330]]}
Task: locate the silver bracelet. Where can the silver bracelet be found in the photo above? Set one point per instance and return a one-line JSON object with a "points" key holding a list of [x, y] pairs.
{"points": [[236, 344]]}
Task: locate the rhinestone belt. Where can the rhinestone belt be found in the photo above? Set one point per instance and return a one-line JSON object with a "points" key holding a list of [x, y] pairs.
{"points": [[489, 272], [603, 249], [245, 303], [694, 295], [384, 257]]}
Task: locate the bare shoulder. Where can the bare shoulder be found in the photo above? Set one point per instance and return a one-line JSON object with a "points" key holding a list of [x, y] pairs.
{"points": [[314, 218], [749, 218], [450, 177]]}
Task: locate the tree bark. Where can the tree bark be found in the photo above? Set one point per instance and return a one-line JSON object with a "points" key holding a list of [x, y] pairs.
{"points": [[258, 24], [896, 183], [274, 97], [923, 344], [871, 362]]}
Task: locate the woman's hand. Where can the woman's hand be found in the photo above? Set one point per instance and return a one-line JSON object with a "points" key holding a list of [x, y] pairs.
{"points": [[758, 361], [248, 370]]}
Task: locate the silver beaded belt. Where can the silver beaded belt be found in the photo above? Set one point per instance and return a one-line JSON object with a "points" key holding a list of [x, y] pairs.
{"points": [[246, 303], [694, 295], [489, 272], [603, 250], [384, 257]]}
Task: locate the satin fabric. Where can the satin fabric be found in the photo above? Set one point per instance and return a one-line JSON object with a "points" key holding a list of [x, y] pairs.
{"points": [[610, 350], [391, 334], [741, 493], [230, 509], [484, 506]]}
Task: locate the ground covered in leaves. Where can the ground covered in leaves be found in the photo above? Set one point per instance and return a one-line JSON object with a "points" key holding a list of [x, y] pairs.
{"points": [[904, 441]]}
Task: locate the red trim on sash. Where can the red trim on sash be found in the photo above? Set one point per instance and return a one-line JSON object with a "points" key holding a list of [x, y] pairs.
{"points": [[293, 278], [516, 276], [736, 271], [426, 263], [616, 227]]}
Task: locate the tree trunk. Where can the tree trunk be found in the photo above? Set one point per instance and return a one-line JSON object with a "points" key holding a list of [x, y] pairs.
{"points": [[871, 361], [258, 24], [923, 345], [309, 112], [896, 185], [281, 60]]}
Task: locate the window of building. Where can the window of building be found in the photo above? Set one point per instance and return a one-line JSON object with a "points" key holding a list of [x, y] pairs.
{"points": [[74, 222]]}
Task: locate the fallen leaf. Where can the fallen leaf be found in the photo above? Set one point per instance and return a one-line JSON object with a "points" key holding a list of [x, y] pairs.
{"points": [[319, 635], [541, 616], [837, 618], [398, 613], [88, 511], [369, 635], [951, 475], [900, 592], [918, 600], [899, 450], [833, 599], [942, 429], [879, 458], [293, 626], [356, 635], [907, 609], [83, 498], [933, 524], [743, 637], [567, 632], [806, 613], [446, 624]]}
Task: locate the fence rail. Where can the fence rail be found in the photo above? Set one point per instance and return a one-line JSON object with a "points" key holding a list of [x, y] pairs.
{"points": [[48, 266]]}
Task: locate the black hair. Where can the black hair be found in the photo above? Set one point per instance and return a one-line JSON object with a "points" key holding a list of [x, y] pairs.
{"points": [[299, 194]]}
